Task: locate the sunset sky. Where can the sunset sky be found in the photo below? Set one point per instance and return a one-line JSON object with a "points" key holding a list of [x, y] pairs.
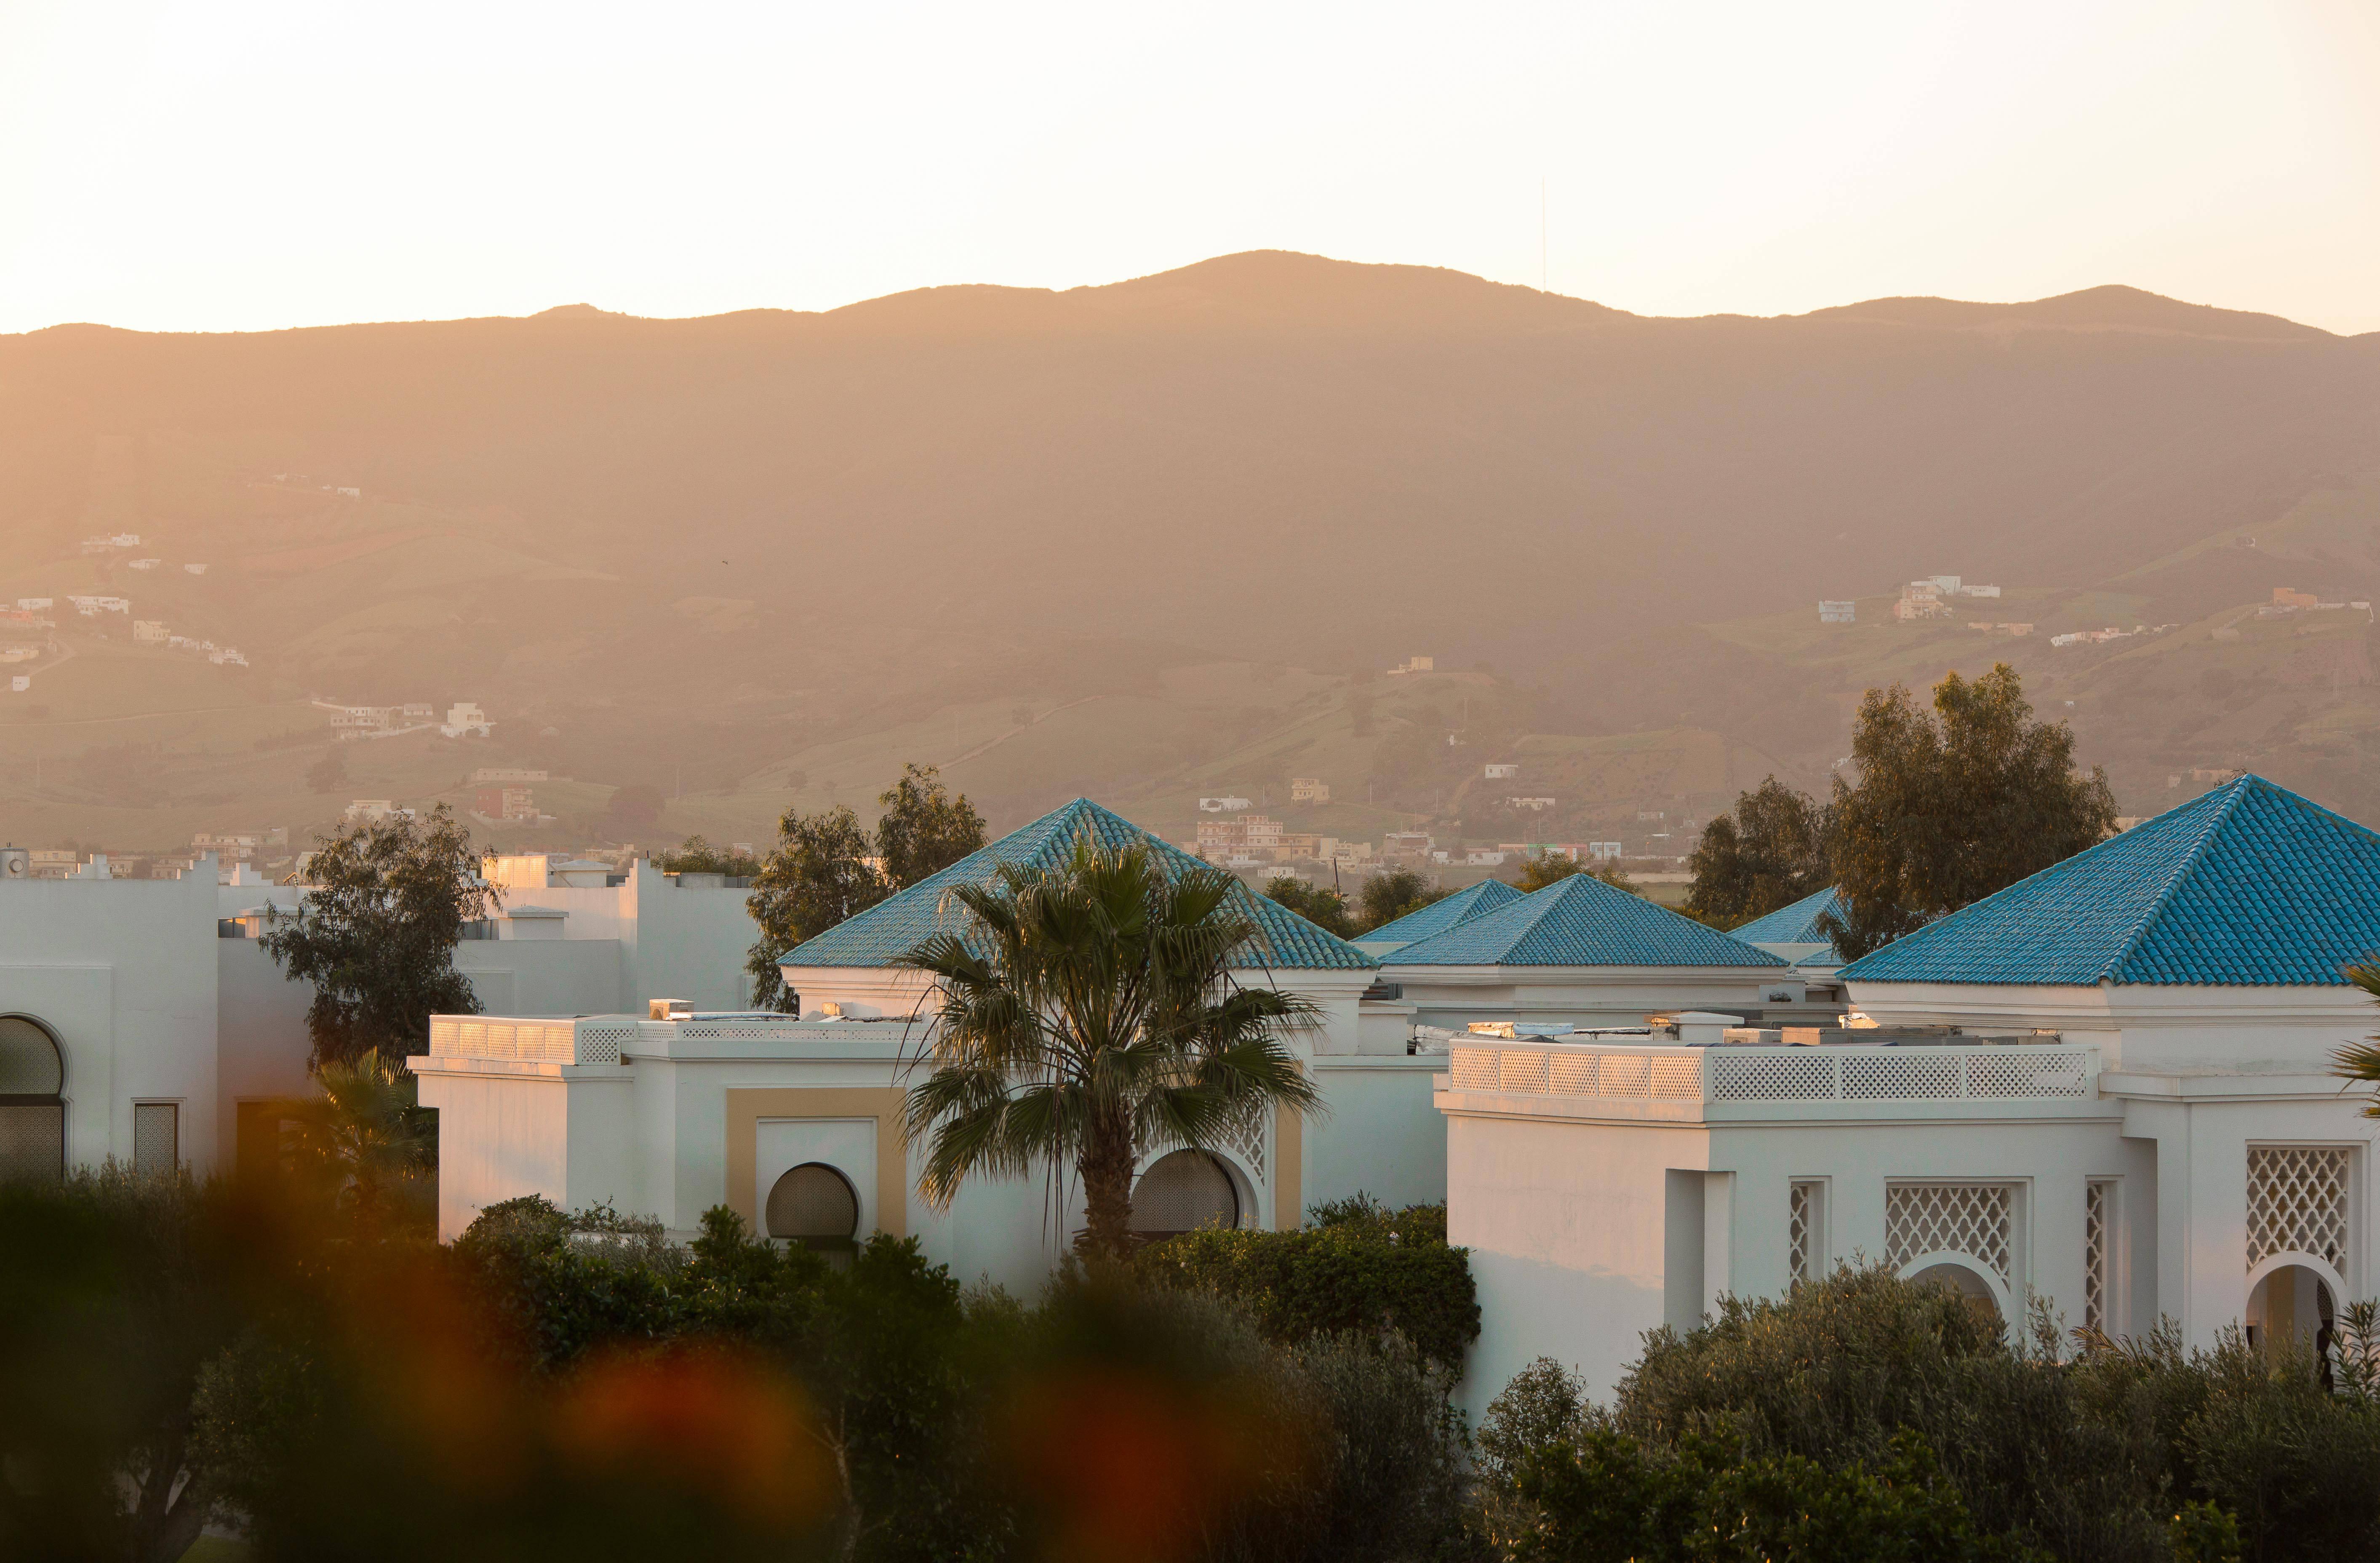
{"points": [[238, 166]]}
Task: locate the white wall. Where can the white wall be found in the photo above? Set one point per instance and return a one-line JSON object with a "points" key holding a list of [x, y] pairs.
{"points": [[1567, 1224], [1381, 1134], [122, 971], [518, 1144]]}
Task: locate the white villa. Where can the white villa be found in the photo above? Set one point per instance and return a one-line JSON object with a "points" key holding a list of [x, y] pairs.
{"points": [[139, 1020], [795, 1122], [2104, 1087]]}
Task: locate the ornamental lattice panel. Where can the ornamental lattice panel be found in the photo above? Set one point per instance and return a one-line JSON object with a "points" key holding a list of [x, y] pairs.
{"points": [[2097, 1252], [1246, 1140], [2296, 1202], [1902, 1077], [1796, 1077], [602, 1043], [1975, 1219], [1801, 1233]]}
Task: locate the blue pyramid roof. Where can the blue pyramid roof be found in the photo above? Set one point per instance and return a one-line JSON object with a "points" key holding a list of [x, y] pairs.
{"points": [[1797, 924], [1580, 921], [891, 928], [1439, 915], [2250, 885]]}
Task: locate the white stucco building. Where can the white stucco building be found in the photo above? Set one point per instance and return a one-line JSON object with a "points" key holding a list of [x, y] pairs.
{"points": [[2106, 1086], [140, 1020], [795, 1122]]}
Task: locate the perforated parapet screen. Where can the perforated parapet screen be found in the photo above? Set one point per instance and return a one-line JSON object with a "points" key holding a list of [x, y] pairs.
{"points": [[1182, 1191], [602, 1043], [813, 1201], [1801, 1075], [1913, 1074], [156, 1136], [1975, 1219], [2296, 1202]]}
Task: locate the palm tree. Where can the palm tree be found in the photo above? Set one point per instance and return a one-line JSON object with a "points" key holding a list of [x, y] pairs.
{"points": [[364, 1138], [1092, 1018], [2360, 1060]]}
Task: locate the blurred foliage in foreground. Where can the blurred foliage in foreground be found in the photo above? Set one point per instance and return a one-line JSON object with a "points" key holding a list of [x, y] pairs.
{"points": [[579, 1388], [316, 1372]]}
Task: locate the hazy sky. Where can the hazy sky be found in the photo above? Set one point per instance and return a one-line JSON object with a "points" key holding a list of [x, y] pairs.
{"points": [[225, 164]]}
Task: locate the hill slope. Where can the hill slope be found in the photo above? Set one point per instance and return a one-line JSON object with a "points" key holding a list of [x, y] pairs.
{"points": [[698, 548]]}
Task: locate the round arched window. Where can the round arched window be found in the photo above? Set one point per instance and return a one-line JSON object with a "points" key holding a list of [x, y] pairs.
{"points": [[32, 1117], [816, 1206], [1182, 1192]]}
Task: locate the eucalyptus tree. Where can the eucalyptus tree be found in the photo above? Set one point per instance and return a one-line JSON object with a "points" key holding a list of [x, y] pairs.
{"points": [[1952, 804]]}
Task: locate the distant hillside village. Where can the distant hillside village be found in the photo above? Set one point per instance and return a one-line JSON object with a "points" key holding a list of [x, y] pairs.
{"points": [[1934, 597]]}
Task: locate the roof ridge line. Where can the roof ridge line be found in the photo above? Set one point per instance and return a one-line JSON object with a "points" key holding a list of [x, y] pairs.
{"points": [[2192, 859]]}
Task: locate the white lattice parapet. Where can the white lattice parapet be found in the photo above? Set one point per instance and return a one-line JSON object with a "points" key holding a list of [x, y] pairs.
{"points": [[543, 1042], [1981, 1073], [590, 1040]]}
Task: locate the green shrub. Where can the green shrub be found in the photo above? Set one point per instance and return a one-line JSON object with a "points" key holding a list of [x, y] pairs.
{"points": [[1361, 1268], [2121, 1451], [1610, 1500]]}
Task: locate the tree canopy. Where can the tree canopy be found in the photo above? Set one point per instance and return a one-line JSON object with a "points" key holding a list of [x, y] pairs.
{"points": [[376, 933], [1952, 805], [1395, 894], [1324, 907], [1770, 852], [697, 855], [827, 866], [925, 828]]}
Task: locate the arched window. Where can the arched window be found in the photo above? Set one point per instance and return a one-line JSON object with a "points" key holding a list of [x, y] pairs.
{"points": [[1182, 1192], [815, 1206], [32, 1114]]}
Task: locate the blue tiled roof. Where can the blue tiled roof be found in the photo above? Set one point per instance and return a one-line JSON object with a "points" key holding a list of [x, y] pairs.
{"points": [[1439, 915], [892, 928], [1797, 924], [2250, 885], [1580, 921]]}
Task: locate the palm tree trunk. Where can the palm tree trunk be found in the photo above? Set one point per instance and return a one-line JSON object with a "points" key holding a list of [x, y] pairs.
{"points": [[1106, 1169]]}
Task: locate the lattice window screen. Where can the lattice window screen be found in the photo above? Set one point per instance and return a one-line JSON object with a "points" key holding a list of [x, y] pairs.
{"points": [[2099, 1243], [156, 1136], [1805, 1231], [1976, 1220], [33, 1140], [2296, 1202]]}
